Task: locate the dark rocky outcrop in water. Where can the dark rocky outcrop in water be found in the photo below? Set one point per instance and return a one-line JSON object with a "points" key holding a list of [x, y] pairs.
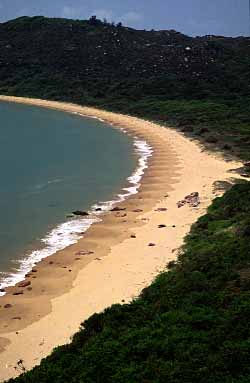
{"points": [[80, 212]]}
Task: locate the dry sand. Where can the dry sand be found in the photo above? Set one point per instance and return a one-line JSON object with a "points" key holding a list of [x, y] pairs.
{"points": [[67, 288]]}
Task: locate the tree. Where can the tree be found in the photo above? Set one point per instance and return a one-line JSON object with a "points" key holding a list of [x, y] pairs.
{"points": [[93, 20]]}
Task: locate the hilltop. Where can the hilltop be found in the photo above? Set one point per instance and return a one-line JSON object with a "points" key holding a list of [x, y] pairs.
{"points": [[82, 60]]}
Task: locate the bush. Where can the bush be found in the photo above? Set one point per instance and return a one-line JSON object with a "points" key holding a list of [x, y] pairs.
{"points": [[191, 325]]}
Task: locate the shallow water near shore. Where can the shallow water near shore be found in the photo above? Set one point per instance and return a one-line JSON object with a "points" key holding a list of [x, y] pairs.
{"points": [[52, 163]]}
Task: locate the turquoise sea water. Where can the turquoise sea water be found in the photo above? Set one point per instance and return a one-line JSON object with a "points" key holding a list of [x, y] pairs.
{"points": [[52, 163]]}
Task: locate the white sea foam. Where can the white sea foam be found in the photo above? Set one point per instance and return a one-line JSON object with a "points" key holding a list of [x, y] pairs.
{"points": [[62, 236], [88, 116], [71, 231]]}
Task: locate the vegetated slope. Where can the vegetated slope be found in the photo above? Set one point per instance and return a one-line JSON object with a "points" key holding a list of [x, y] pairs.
{"points": [[92, 59], [201, 84], [191, 325]]}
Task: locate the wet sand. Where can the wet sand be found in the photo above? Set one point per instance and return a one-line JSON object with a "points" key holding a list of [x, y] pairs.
{"points": [[113, 261]]}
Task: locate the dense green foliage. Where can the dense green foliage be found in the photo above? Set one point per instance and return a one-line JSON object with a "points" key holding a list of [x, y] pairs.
{"points": [[201, 84], [223, 124], [191, 325]]}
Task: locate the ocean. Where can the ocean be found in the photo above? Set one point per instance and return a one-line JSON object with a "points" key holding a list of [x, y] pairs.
{"points": [[51, 164]]}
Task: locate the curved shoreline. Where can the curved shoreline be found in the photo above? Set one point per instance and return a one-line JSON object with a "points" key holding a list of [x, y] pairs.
{"points": [[120, 265], [72, 230]]}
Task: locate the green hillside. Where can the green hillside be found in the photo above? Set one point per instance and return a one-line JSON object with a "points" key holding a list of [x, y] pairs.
{"points": [[201, 85]]}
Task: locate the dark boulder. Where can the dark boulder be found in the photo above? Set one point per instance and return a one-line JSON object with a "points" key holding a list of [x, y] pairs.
{"points": [[161, 209], [116, 208], [24, 284], [80, 212]]}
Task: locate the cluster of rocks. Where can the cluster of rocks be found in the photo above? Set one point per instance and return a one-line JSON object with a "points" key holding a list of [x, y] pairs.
{"points": [[192, 200]]}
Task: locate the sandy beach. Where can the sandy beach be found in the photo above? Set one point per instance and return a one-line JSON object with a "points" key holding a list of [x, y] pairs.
{"points": [[113, 261]]}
